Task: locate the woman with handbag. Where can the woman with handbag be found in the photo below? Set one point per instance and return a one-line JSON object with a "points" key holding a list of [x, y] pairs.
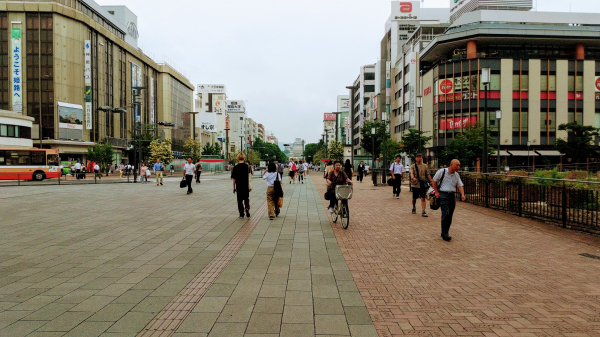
{"points": [[241, 180], [274, 190]]}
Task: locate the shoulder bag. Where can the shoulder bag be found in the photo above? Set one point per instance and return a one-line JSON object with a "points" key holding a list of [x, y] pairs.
{"points": [[424, 182], [390, 181], [249, 179], [277, 186], [434, 202]]}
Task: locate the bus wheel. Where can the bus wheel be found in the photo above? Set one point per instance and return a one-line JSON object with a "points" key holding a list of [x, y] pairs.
{"points": [[39, 176]]}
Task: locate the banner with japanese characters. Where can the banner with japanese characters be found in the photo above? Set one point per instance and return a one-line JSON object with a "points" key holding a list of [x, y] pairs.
{"points": [[87, 74], [17, 96]]}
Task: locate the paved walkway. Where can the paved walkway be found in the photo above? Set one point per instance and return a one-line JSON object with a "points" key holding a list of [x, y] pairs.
{"points": [[129, 260], [500, 276]]}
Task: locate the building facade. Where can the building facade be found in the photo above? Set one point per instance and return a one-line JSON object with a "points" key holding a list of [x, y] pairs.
{"points": [[15, 131], [72, 59], [362, 109]]}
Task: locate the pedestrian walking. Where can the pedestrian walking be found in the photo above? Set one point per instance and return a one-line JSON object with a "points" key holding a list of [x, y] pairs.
{"points": [[188, 174], [361, 171], [306, 168], [199, 168], [280, 169], [397, 171], [328, 168], [348, 169], [293, 169], [158, 171], [335, 177], [97, 171], [271, 175], [301, 172], [445, 183], [420, 179], [367, 167], [78, 170], [239, 175], [143, 178]]}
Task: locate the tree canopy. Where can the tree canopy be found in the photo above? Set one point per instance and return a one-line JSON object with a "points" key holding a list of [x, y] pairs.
{"points": [[191, 149], [336, 151], [410, 143], [101, 153], [467, 147], [579, 144], [367, 139], [268, 151], [161, 150], [311, 149]]}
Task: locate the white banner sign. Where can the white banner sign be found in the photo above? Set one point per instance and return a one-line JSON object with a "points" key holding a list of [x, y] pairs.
{"points": [[87, 74], [347, 129], [236, 106], [152, 100], [16, 71], [212, 88], [208, 121]]}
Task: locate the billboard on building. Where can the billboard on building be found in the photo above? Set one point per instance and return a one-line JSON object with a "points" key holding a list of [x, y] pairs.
{"points": [[136, 81], [343, 104], [406, 10], [348, 131], [236, 106], [16, 70], [208, 121], [329, 117], [87, 74], [152, 112], [459, 7], [70, 121], [218, 105], [212, 88], [597, 83]]}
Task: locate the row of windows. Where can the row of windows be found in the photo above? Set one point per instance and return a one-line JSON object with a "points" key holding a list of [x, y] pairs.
{"points": [[527, 52], [4, 79], [15, 131], [369, 76], [23, 157]]}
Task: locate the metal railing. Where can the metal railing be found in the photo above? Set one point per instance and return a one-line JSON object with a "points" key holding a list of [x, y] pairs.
{"points": [[569, 203], [17, 179]]}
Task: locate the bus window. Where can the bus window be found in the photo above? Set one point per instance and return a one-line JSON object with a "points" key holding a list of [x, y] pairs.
{"points": [[24, 157], [52, 160], [2, 161], [37, 158]]}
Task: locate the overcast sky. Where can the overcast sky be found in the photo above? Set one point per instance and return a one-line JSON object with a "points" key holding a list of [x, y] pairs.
{"points": [[288, 59]]}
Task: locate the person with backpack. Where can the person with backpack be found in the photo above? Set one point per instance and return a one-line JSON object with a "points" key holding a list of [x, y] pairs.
{"points": [[445, 183], [420, 180], [293, 170], [397, 171]]}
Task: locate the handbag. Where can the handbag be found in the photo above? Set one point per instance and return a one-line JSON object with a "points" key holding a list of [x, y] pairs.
{"points": [[250, 180], [182, 183], [424, 182], [280, 202], [277, 186], [434, 202]]}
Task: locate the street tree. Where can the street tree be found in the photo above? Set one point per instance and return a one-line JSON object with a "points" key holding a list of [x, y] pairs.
{"points": [[268, 151], [467, 147], [579, 144], [253, 157], [367, 139], [320, 154], [336, 151], [216, 149], [410, 143], [312, 148], [101, 153], [192, 149], [208, 150], [161, 150], [390, 149]]}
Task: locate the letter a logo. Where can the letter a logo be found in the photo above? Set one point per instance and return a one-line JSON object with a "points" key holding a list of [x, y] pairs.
{"points": [[406, 7]]}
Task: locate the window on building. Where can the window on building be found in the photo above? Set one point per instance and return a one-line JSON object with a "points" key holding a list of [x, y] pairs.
{"points": [[369, 88], [575, 83], [4, 76], [494, 83], [369, 76], [547, 82], [520, 82], [548, 127]]}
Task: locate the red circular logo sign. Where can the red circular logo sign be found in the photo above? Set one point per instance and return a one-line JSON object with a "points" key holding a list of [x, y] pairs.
{"points": [[446, 86], [598, 84]]}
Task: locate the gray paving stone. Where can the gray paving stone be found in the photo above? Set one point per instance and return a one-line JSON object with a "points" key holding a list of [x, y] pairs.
{"points": [[228, 330], [261, 323], [66, 321], [298, 314], [211, 304], [328, 306], [269, 305], [131, 322], [198, 322], [236, 313], [331, 325], [297, 330]]}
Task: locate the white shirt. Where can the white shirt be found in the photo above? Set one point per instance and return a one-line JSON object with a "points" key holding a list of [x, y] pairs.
{"points": [[451, 181], [189, 169], [397, 168], [78, 166], [96, 167], [270, 177], [305, 166]]}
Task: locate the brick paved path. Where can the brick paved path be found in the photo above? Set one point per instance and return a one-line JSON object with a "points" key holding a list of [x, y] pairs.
{"points": [[106, 260], [500, 276]]}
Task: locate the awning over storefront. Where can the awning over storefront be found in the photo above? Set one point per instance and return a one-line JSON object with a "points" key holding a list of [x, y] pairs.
{"points": [[512, 153], [547, 153]]}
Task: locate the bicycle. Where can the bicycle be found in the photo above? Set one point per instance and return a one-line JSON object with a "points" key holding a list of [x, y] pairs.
{"points": [[343, 193]]}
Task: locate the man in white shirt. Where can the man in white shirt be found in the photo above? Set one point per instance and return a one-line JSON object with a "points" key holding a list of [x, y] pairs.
{"points": [[188, 174], [449, 181], [397, 170], [96, 171], [77, 169], [305, 164]]}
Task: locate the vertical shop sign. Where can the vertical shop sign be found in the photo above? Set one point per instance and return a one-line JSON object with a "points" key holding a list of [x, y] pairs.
{"points": [[152, 100], [87, 74], [17, 97]]}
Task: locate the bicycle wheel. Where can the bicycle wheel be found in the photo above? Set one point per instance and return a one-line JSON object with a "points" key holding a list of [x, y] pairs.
{"points": [[334, 215], [345, 216]]}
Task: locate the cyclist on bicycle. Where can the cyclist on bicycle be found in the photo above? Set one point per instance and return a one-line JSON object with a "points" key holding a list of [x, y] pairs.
{"points": [[334, 178]]}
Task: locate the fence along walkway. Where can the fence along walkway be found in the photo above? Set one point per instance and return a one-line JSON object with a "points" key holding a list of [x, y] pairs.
{"points": [[568, 203]]}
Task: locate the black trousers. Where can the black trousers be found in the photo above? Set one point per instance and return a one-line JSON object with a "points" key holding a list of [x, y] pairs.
{"points": [[198, 176], [78, 174], [397, 183], [243, 204], [188, 181], [447, 204], [360, 175]]}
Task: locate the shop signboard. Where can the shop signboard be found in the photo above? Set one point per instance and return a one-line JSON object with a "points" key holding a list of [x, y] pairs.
{"points": [[70, 121], [16, 70], [329, 117], [136, 81], [152, 100], [87, 74], [406, 10], [446, 86], [236, 106], [457, 123], [597, 83], [212, 88], [344, 104], [208, 121]]}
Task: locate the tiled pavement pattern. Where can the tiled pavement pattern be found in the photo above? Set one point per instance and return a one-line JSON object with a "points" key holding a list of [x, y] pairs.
{"points": [[104, 260], [500, 276]]}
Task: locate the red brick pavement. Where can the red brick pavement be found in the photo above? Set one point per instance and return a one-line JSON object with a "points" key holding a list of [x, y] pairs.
{"points": [[500, 276]]}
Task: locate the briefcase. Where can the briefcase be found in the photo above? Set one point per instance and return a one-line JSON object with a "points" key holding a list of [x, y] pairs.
{"points": [[182, 184]]}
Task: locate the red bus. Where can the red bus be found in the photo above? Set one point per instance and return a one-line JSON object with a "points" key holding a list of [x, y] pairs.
{"points": [[29, 164]]}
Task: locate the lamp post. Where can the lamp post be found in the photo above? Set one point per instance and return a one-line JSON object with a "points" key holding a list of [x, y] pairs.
{"points": [[528, 145], [419, 105], [485, 79], [193, 113], [498, 118], [373, 131]]}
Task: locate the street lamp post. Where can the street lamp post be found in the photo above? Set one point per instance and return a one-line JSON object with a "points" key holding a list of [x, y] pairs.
{"points": [[193, 113], [498, 118], [419, 105], [528, 145], [373, 131], [485, 79]]}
